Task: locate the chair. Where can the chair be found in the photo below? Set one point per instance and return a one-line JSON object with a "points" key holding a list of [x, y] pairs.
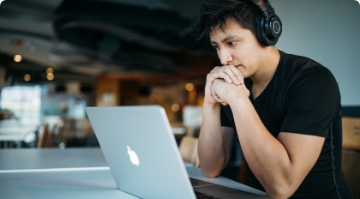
{"points": [[43, 137], [351, 133], [351, 169], [50, 137], [188, 150], [242, 175]]}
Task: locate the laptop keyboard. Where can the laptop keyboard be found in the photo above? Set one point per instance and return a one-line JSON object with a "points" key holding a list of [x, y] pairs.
{"points": [[203, 196]]}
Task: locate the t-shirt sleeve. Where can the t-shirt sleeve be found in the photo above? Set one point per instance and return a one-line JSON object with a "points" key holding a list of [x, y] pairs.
{"points": [[312, 102]]}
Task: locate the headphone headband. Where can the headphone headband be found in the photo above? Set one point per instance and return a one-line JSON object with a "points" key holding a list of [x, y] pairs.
{"points": [[266, 10]]}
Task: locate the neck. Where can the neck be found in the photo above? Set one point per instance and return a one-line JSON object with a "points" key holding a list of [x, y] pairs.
{"points": [[267, 67]]}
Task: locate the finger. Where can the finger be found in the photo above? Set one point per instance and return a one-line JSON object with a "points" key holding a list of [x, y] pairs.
{"points": [[214, 95], [219, 72], [240, 75], [217, 98], [229, 73], [235, 74], [222, 75]]}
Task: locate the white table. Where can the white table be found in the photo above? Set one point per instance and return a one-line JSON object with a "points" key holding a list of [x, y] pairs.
{"points": [[70, 173], [55, 173], [23, 159]]}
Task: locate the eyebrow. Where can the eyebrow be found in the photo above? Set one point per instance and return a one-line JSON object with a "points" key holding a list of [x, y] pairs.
{"points": [[230, 37]]}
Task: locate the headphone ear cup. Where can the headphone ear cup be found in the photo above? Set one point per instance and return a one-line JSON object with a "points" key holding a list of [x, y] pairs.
{"points": [[269, 26], [275, 27], [272, 30]]}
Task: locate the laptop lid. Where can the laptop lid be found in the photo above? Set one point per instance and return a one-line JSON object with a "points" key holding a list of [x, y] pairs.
{"points": [[141, 151]]}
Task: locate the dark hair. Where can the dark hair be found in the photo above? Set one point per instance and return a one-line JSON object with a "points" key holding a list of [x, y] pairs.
{"points": [[214, 14]]}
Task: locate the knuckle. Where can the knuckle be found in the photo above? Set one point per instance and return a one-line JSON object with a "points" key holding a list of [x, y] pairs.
{"points": [[228, 70], [215, 68], [237, 72]]}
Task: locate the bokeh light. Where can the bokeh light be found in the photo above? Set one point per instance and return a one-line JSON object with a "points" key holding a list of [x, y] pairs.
{"points": [[189, 87], [17, 58]]}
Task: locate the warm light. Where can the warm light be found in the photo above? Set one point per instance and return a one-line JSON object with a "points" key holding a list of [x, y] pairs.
{"points": [[175, 107], [189, 87], [49, 70], [50, 76], [18, 42], [160, 98], [27, 77], [17, 58], [152, 97]]}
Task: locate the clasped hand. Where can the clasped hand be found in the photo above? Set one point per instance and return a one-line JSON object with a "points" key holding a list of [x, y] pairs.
{"points": [[223, 84]]}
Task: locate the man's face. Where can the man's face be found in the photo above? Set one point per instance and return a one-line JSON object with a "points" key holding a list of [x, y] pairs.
{"points": [[238, 47]]}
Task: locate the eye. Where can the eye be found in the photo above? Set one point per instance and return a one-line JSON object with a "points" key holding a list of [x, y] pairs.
{"points": [[231, 43], [216, 47]]}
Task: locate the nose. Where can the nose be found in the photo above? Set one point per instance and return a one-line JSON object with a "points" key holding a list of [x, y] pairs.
{"points": [[225, 57]]}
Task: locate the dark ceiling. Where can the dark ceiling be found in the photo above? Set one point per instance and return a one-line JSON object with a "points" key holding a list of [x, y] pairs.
{"points": [[82, 39]]}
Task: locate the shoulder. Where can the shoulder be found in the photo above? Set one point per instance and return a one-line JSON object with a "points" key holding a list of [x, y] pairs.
{"points": [[296, 62], [300, 68]]}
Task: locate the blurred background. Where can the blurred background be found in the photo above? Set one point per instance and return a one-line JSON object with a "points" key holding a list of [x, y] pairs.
{"points": [[59, 56]]}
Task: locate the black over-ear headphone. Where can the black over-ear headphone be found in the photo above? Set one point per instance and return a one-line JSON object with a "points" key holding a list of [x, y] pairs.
{"points": [[270, 27]]}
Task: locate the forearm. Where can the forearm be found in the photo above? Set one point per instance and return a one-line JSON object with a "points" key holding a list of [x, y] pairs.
{"points": [[265, 155], [210, 146]]}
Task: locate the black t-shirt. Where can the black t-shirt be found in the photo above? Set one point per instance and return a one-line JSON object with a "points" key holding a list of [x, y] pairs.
{"points": [[303, 97]]}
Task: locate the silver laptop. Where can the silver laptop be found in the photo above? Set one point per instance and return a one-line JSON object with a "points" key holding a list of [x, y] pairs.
{"points": [[141, 151]]}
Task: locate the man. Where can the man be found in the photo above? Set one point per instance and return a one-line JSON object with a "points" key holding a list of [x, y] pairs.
{"points": [[283, 109]]}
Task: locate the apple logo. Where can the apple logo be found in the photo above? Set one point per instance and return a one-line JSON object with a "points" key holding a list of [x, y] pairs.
{"points": [[133, 157]]}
